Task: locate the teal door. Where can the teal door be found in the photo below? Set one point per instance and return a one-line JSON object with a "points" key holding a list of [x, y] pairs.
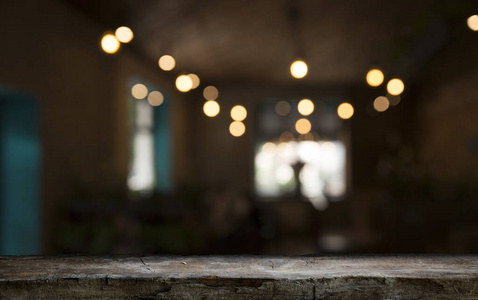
{"points": [[19, 175]]}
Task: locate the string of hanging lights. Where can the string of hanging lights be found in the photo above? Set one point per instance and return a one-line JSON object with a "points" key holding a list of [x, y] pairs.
{"points": [[395, 87], [111, 43]]}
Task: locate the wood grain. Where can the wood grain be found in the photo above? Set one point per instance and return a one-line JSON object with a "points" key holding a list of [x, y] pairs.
{"points": [[239, 277]]}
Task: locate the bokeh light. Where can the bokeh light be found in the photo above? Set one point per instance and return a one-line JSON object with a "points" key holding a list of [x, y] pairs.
{"points": [[310, 136], [473, 22], [381, 104], [394, 100], [184, 83], [395, 87], [282, 108], [167, 62], [298, 69], [237, 128], [305, 107], [284, 174], [155, 98], [210, 93], [110, 44], [195, 80], [269, 147], [345, 111], [238, 113], [139, 91], [124, 34], [211, 108], [374, 77], [286, 136], [287, 153], [303, 126]]}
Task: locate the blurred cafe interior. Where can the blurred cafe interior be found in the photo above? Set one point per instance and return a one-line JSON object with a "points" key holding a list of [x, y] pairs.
{"points": [[270, 127]]}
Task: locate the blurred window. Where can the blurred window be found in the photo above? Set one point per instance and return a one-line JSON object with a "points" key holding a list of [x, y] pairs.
{"points": [[150, 155], [287, 163], [141, 176]]}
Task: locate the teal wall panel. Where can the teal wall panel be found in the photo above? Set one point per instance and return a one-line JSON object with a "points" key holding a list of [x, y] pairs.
{"points": [[19, 175]]}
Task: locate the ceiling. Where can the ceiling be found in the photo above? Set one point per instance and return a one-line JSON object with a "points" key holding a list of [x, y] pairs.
{"points": [[255, 41]]}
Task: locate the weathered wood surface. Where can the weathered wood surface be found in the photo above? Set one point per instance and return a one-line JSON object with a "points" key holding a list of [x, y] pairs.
{"points": [[239, 277]]}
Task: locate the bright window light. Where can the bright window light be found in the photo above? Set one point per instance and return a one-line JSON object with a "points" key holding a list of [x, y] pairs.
{"points": [[141, 176], [322, 173]]}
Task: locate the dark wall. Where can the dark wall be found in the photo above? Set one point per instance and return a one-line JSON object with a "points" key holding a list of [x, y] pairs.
{"points": [[52, 52]]}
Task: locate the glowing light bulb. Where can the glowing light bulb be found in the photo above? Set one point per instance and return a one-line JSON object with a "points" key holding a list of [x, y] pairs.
{"points": [[124, 34], [303, 126], [195, 80], [155, 98], [167, 62], [210, 93], [395, 87], [345, 111], [184, 83], [237, 128], [238, 113], [305, 107], [374, 77], [211, 108], [473, 22], [110, 44], [381, 104], [298, 69], [139, 91]]}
